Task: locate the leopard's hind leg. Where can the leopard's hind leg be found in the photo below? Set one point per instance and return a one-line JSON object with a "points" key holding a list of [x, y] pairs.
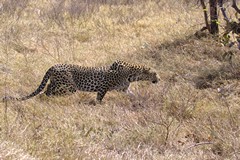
{"points": [[61, 84]]}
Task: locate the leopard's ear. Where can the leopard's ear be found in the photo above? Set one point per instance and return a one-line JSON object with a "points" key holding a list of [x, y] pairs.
{"points": [[118, 61], [118, 64], [114, 65], [146, 69]]}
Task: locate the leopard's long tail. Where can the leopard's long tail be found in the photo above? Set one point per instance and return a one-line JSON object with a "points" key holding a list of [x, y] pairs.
{"points": [[36, 92]]}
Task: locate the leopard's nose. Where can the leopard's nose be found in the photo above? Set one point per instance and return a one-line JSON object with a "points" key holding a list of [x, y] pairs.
{"points": [[155, 80]]}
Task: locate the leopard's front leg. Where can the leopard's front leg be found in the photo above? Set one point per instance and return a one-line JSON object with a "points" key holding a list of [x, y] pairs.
{"points": [[100, 94]]}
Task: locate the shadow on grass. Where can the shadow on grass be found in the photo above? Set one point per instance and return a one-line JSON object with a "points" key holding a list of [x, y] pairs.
{"points": [[214, 78]]}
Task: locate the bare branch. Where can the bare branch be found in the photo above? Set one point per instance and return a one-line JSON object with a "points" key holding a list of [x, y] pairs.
{"points": [[205, 14], [198, 144], [220, 3], [234, 5]]}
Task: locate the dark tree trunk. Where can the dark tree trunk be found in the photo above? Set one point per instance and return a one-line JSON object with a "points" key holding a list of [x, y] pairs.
{"points": [[213, 17]]}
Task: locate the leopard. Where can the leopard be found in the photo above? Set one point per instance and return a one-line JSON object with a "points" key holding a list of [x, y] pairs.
{"points": [[66, 79]]}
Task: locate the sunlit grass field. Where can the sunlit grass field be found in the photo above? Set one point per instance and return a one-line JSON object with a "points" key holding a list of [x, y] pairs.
{"points": [[192, 113]]}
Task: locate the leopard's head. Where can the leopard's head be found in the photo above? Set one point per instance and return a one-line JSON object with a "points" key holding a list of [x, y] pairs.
{"points": [[135, 72], [143, 74]]}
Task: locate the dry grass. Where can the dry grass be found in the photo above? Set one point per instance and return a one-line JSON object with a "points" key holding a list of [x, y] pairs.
{"points": [[193, 113]]}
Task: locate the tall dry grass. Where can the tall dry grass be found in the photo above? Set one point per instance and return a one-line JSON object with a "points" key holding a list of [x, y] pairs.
{"points": [[193, 113]]}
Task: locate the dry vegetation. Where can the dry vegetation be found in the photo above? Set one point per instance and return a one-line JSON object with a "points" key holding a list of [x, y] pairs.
{"points": [[193, 113]]}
